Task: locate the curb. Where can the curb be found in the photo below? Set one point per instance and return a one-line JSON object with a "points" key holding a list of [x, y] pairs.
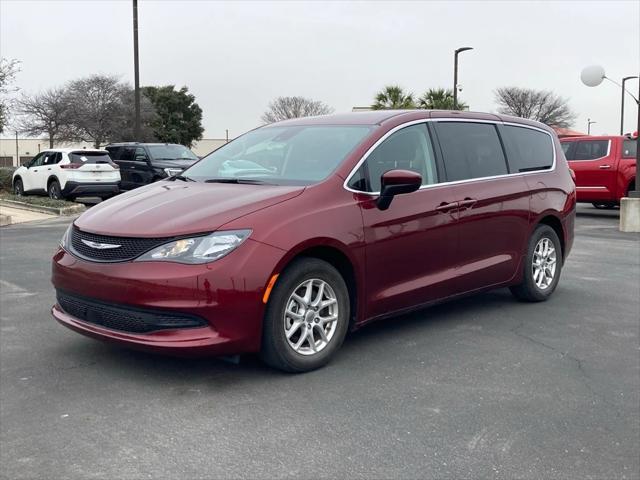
{"points": [[70, 210], [5, 220]]}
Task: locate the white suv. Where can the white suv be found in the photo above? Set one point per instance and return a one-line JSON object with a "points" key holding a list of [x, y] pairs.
{"points": [[68, 173]]}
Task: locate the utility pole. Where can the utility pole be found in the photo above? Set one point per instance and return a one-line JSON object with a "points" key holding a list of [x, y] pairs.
{"points": [[17, 151], [136, 71], [455, 74], [622, 105]]}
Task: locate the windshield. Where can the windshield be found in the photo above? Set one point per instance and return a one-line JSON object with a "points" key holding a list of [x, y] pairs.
{"points": [[171, 152], [297, 155]]}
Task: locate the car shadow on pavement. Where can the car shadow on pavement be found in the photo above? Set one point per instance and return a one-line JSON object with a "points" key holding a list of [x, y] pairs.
{"points": [[360, 346]]}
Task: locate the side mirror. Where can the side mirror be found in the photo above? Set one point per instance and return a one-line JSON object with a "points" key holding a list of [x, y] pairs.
{"points": [[396, 182]]}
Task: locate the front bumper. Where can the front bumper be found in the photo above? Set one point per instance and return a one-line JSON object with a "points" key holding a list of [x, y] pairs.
{"points": [[77, 188], [226, 294]]}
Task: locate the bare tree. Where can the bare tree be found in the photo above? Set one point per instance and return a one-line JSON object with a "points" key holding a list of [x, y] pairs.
{"points": [[540, 105], [45, 113], [283, 108], [97, 108], [8, 71]]}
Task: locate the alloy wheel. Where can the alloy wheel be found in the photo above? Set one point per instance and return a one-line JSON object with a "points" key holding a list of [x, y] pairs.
{"points": [[544, 263], [311, 316]]}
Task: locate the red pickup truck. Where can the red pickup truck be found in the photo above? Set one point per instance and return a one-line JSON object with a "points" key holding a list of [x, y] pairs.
{"points": [[604, 167]]}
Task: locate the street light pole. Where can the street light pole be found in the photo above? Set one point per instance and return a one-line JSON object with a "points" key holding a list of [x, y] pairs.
{"points": [[455, 74], [589, 122], [622, 105], [136, 71], [635, 193]]}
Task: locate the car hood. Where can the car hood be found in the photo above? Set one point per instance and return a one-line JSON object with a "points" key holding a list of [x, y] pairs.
{"points": [[170, 208], [173, 163]]}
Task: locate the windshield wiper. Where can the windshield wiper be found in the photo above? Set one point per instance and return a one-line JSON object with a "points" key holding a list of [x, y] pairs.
{"points": [[181, 177], [249, 181]]}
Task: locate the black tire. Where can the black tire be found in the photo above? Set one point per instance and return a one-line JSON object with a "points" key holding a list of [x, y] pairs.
{"points": [[528, 290], [18, 187], [603, 205], [54, 190], [276, 350]]}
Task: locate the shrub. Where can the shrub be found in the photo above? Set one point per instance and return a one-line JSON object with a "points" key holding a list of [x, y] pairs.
{"points": [[37, 200], [6, 173]]}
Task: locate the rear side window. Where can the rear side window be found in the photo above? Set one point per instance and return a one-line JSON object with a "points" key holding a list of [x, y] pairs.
{"points": [[113, 152], [590, 149], [471, 150], [528, 149], [89, 157], [629, 148]]}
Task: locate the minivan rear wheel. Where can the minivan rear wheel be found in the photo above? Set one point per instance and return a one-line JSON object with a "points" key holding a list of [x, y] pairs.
{"points": [[307, 317], [542, 266]]}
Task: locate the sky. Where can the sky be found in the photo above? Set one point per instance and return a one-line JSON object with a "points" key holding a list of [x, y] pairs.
{"points": [[235, 57]]}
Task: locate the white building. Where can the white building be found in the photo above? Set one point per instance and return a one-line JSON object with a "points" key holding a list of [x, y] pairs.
{"points": [[14, 152]]}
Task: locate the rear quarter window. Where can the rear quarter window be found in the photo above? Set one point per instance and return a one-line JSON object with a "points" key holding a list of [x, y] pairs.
{"points": [[527, 149]]}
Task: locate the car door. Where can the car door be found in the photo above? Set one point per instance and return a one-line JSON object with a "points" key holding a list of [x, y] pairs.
{"points": [[48, 168], [493, 212], [411, 246], [595, 166], [31, 180]]}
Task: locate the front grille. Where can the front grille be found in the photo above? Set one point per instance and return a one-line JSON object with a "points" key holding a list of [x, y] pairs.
{"points": [[123, 318], [128, 247]]}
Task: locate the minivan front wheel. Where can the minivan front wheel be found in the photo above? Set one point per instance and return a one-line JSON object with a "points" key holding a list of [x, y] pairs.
{"points": [[542, 266], [307, 317]]}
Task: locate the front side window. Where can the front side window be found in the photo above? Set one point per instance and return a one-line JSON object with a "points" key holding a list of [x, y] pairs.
{"points": [[36, 161], [295, 155], [529, 149], [591, 149], [471, 150], [407, 149]]}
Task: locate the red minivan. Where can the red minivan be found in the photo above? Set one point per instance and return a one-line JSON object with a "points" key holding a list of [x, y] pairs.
{"points": [[296, 232]]}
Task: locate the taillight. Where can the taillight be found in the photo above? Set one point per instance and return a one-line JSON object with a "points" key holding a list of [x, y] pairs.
{"points": [[71, 166]]}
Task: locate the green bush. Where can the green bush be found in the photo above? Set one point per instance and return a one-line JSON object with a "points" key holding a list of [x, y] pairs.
{"points": [[41, 201], [6, 173]]}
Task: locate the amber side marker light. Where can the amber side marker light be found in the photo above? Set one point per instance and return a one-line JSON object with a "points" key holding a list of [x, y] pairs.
{"points": [[267, 291]]}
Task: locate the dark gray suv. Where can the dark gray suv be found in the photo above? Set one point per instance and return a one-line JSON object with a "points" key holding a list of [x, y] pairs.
{"points": [[143, 163]]}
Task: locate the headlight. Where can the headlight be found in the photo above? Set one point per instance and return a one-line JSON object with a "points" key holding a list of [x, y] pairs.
{"points": [[172, 171], [65, 241], [197, 249]]}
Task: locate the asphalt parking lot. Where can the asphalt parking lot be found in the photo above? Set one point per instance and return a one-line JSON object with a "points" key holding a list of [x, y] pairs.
{"points": [[482, 388]]}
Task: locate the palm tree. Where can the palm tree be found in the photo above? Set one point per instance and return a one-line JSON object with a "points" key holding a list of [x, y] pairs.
{"points": [[440, 99], [393, 97]]}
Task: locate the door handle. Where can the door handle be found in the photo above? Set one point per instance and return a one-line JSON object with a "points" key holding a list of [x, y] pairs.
{"points": [[604, 167], [35, 171], [468, 202], [48, 169], [446, 207]]}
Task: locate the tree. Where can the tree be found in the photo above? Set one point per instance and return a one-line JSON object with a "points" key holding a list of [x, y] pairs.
{"points": [[541, 105], [178, 117], [46, 113], [440, 99], [101, 110], [283, 108], [393, 97], [8, 72]]}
